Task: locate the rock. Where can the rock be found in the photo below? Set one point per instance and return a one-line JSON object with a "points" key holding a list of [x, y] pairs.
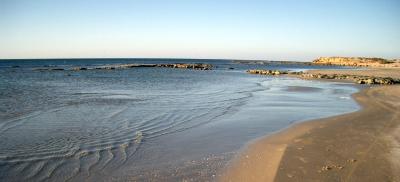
{"points": [[78, 68], [355, 78], [197, 66], [366, 81], [326, 168], [369, 81], [267, 72], [330, 167], [360, 82], [352, 160]]}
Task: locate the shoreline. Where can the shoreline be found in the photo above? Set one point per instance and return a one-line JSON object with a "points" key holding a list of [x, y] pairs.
{"points": [[357, 146]]}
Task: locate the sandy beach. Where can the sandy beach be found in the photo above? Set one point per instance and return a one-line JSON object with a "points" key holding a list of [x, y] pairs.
{"points": [[358, 146], [247, 91]]}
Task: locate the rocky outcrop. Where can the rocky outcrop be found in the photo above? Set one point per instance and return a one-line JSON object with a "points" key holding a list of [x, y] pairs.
{"points": [[197, 66], [78, 68], [267, 72], [356, 61], [355, 78], [123, 66], [267, 62]]}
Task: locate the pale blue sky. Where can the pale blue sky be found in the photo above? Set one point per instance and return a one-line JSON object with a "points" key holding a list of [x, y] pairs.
{"points": [[246, 29]]}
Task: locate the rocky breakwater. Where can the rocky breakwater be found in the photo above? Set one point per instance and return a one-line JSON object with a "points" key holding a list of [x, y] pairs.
{"points": [[196, 66], [268, 72], [355, 78], [357, 61]]}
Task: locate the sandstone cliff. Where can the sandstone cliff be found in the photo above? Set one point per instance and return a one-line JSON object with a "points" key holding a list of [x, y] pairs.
{"points": [[357, 61]]}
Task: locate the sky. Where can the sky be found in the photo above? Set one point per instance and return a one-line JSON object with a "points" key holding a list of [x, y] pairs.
{"points": [[296, 30]]}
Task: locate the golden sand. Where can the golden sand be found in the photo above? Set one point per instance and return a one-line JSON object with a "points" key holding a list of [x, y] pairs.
{"points": [[359, 146]]}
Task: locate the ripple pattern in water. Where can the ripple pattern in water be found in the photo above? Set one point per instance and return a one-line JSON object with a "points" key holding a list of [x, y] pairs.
{"points": [[99, 127], [70, 126]]}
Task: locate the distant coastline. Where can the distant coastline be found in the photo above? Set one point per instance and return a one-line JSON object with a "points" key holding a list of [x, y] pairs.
{"points": [[335, 61]]}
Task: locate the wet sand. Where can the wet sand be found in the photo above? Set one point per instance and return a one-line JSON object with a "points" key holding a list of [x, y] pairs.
{"points": [[302, 89], [359, 146]]}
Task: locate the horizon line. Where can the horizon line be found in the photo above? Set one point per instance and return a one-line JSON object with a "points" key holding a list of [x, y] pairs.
{"points": [[179, 58], [183, 58]]}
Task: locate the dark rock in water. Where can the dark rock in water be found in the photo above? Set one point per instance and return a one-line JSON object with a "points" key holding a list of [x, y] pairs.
{"points": [[126, 66], [373, 80], [268, 72], [78, 68], [146, 65], [356, 78], [197, 66], [178, 65]]}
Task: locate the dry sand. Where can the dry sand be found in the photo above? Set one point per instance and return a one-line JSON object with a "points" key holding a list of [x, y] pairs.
{"points": [[359, 146]]}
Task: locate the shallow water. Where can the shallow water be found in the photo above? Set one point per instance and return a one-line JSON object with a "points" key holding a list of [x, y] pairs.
{"points": [[145, 123]]}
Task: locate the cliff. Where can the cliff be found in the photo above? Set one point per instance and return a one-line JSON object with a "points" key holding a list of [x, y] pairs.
{"points": [[357, 61]]}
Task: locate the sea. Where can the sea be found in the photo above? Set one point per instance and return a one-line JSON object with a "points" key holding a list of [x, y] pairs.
{"points": [[147, 123]]}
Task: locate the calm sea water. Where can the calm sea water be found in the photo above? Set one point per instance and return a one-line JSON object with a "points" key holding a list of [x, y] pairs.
{"points": [[145, 124]]}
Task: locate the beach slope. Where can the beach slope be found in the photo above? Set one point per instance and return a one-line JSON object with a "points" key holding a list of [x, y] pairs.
{"points": [[359, 146]]}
